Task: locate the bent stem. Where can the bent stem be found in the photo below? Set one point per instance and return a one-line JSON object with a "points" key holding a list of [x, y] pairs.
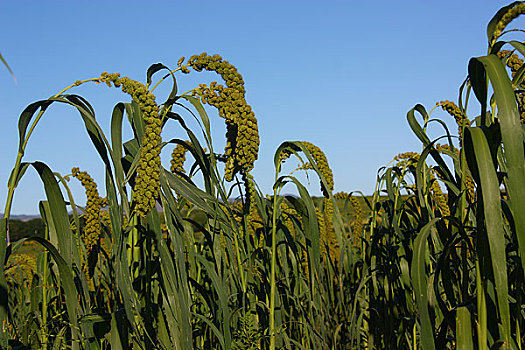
{"points": [[167, 75], [276, 192], [4, 240], [12, 180]]}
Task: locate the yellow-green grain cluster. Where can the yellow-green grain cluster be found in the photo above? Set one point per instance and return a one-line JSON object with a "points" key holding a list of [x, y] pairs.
{"points": [[467, 178], [20, 267], [178, 157], [406, 156], [249, 186], [147, 183], [439, 198], [255, 224], [446, 148], [322, 227], [325, 216], [90, 235], [341, 195], [322, 164], [460, 117], [515, 63], [288, 214], [328, 209], [242, 135], [357, 225], [325, 225], [509, 16], [470, 186], [91, 232], [327, 239], [511, 60], [405, 159], [105, 242]]}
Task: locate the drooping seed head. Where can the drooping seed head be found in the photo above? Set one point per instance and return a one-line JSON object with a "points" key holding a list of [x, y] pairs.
{"points": [[511, 14], [148, 171]]}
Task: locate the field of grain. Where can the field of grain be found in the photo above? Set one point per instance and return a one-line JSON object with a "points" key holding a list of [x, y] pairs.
{"points": [[433, 259]]}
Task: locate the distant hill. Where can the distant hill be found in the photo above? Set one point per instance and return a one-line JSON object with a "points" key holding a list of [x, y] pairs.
{"points": [[21, 226], [22, 217]]}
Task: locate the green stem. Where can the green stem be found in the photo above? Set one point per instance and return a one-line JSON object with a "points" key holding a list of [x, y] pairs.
{"points": [[482, 310], [134, 250], [12, 185], [273, 267], [414, 337], [44, 295], [167, 75], [7, 212], [239, 261], [21, 151]]}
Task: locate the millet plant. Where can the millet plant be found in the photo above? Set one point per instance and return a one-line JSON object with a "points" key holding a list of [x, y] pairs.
{"points": [[434, 259]]}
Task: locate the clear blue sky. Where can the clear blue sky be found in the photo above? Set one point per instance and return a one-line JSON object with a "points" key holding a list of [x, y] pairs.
{"points": [[340, 74]]}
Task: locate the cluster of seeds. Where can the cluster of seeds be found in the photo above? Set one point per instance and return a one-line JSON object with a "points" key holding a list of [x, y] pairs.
{"points": [[321, 162], [322, 165], [92, 229], [328, 210], [178, 157], [341, 195], [94, 203], [322, 227], [20, 267], [325, 223], [327, 238], [511, 60], [255, 224], [357, 225], [446, 148], [147, 183], [469, 182], [509, 16], [439, 197], [288, 214], [408, 158], [242, 135], [470, 186], [515, 63], [460, 117], [106, 243], [249, 186]]}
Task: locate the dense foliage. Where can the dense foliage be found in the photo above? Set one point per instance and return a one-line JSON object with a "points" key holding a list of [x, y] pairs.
{"points": [[19, 229], [159, 262]]}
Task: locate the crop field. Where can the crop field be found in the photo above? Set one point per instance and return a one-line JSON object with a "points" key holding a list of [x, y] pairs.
{"points": [[192, 255]]}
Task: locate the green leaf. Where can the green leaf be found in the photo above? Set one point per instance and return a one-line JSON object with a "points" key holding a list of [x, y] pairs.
{"points": [[67, 283], [414, 125], [478, 79], [58, 211], [154, 68], [512, 137], [25, 118], [119, 335], [420, 282], [488, 188], [7, 66], [4, 301]]}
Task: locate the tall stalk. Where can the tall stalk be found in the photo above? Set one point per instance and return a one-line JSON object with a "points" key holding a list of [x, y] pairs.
{"points": [[276, 192]]}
